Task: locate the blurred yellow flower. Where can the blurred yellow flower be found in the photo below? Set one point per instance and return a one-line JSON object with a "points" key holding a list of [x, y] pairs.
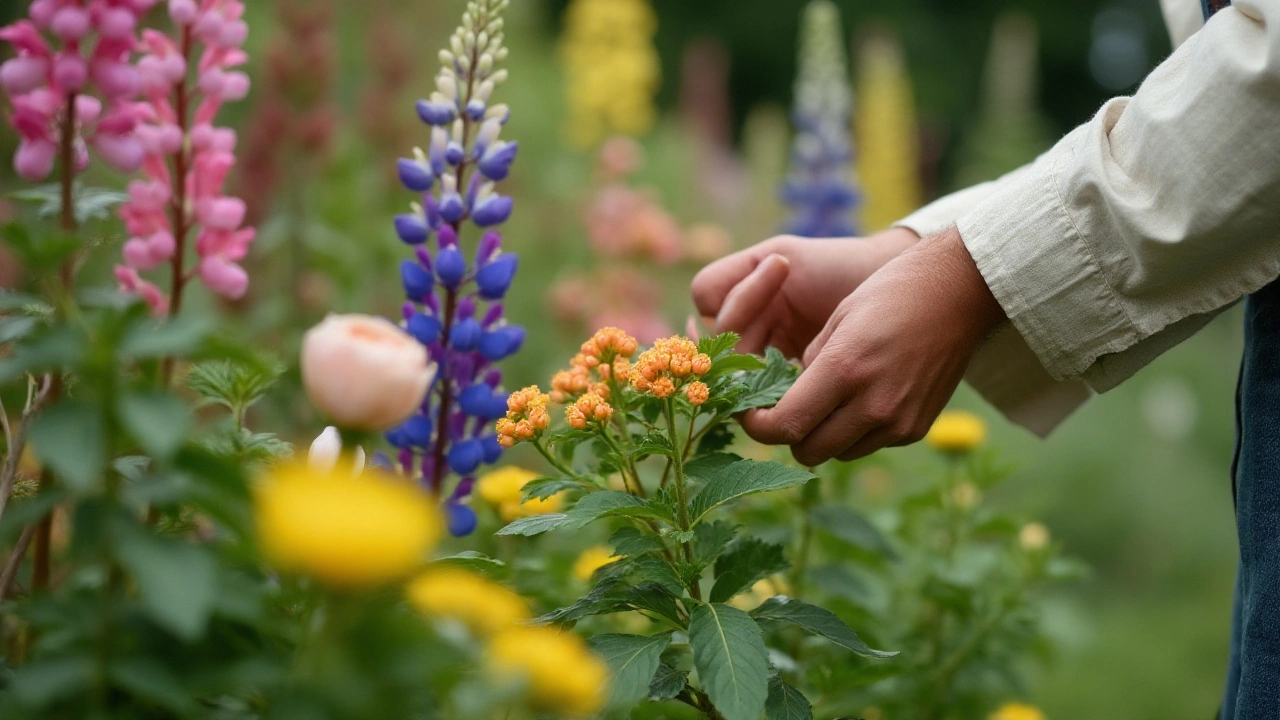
{"points": [[957, 431], [1033, 537], [484, 606], [888, 138], [1017, 711], [612, 68], [501, 488], [759, 592], [591, 560], [348, 532], [562, 673]]}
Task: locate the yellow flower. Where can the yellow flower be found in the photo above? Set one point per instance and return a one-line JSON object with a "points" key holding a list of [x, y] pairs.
{"points": [[888, 141], [956, 431], [481, 605], [348, 532], [591, 560], [612, 68], [1017, 711], [761, 591], [1033, 537], [563, 675], [501, 488]]}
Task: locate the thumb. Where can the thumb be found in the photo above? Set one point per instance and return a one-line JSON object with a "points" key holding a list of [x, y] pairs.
{"points": [[820, 340]]}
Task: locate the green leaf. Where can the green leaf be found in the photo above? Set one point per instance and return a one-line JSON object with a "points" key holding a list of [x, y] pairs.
{"points": [[852, 527], [716, 439], [748, 561], [534, 525], [630, 541], [733, 364], [605, 503], [731, 659], [720, 345], [41, 251], [667, 683], [602, 599], [25, 303], [655, 598], [69, 438], [654, 443], [153, 681], [234, 384], [16, 327], [656, 568], [60, 346], [41, 682], [745, 477], [543, 488], [474, 561], [817, 621], [175, 338], [158, 421], [710, 539], [785, 702], [766, 387], [633, 660], [175, 579], [90, 203]]}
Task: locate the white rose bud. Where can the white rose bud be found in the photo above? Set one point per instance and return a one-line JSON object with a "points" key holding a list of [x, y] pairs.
{"points": [[364, 371]]}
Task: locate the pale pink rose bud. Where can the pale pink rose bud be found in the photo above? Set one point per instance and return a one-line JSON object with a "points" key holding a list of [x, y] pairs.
{"points": [[23, 74], [225, 213], [224, 277], [233, 34], [70, 23], [183, 12], [137, 253], [70, 71], [122, 152], [34, 159], [115, 79], [117, 23], [235, 86], [364, 371]]}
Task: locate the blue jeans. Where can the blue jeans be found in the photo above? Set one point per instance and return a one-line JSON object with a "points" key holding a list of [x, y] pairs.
{"points": [[1253, 678]]}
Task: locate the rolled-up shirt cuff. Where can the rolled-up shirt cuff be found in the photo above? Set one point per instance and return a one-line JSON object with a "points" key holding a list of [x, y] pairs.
{"points": [[1041, 270]]}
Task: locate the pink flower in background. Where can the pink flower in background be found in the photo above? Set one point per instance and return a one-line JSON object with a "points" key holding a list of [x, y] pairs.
{"points": [[73, 57], [186, 157]]}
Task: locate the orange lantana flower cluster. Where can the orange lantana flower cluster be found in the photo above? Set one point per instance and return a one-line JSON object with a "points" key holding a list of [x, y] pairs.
{"points": [[588, 408], [604, 357], [526, 416], [672, 363]]}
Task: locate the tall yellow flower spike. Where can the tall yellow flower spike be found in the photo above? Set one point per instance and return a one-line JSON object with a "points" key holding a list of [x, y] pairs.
{"points": [[612, 68], [348, 532], [887, 135]]}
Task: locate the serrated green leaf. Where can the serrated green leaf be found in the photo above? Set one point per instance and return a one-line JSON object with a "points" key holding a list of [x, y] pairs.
{"points": [[655, 598], [604, 598], [543, 488], [69, 439], [732, 364], [60, 347], [633, 660], [657, 569], [717, 346], [41, 682], [654, 443], [710, 539], [159, 422], [766, 387], [25, 303], [534, 525], [749, 560], [745, 477], [785, 702], [731, 659], [817, 621], [852, 527], [175, 579], [474, 561], [151, 680], [630, 541], [16, 327], [233, 384], [715, 440], [667, 683]]}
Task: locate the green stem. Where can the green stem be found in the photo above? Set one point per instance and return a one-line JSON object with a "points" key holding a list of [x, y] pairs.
{"points": [[542, 450], [682, 504]]}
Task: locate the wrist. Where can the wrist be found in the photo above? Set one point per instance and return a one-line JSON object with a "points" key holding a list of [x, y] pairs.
{"points": [[975, 305], [893, 242]]}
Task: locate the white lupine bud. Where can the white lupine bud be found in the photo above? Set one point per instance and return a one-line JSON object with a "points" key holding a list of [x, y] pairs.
{"points": [[455, 43], [464, 64], [470, 39], [446, 58], [482, 40], [498, 112], [447, 86], [419, 155], [449, 182], [500, 54], [439, 140], [485, 66], [489, 130], [416, 208], [499, 77], [485, 91], [458, 129], [496, 25]]}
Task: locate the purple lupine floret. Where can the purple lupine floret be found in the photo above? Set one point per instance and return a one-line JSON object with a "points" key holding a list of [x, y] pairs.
{"points": [[454, 304]]}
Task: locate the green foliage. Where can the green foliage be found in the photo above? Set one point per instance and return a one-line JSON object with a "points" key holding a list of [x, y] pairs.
{"points": [[818, 621], [90, 203], [633, 661], [732, 661]]}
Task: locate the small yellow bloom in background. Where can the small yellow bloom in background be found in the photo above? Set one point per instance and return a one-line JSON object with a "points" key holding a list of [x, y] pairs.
{"points": [[501, 488], [1017, 711], [762, 590], [1033, 537], [348, 532], [957, 431], [591, 560], [563, 675], [966, 495], [482, 605]]}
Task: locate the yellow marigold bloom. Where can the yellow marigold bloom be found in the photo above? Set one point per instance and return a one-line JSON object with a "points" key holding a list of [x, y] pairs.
{"points": [[611, 67], [484, 606], [563, 675], [348, 532], [591, 560], [1017, 711], [956, 431], [1033, 537], [697, 392]]}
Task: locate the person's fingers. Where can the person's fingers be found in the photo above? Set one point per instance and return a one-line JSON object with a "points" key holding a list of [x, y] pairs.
{"points": [[748, 300], [843, 428], [713, 283], [814, 396], [814, 349], [878, 439]]}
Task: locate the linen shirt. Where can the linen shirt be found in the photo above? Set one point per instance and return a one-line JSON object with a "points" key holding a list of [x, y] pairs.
{"points": [[1135, 229]]}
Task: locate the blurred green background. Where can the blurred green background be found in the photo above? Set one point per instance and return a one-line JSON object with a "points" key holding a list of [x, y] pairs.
{"points": [[1136, 483]]}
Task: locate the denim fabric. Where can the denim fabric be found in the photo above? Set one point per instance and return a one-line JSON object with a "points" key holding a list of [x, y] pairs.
{"points": [[1253, 679]]}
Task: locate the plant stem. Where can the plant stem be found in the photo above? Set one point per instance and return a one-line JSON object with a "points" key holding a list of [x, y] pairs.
{"points": [[542, 450], [682, 509], [809, 496], [178, 206], [15, 560], [17, 438]]}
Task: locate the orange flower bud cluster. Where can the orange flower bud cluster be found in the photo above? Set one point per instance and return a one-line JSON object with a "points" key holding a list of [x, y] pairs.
{"points": [[668, 365], [606, 354], [697, 392], [526, 416], [608, 343], [588, 408]]}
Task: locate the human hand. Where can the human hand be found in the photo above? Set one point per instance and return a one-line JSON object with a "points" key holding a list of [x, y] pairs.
{"points": [[888, 359], [781, 292]]}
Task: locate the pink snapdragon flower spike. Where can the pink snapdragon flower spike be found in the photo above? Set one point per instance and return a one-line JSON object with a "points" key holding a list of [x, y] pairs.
{"points": [[74, 57], [186, 77]]}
